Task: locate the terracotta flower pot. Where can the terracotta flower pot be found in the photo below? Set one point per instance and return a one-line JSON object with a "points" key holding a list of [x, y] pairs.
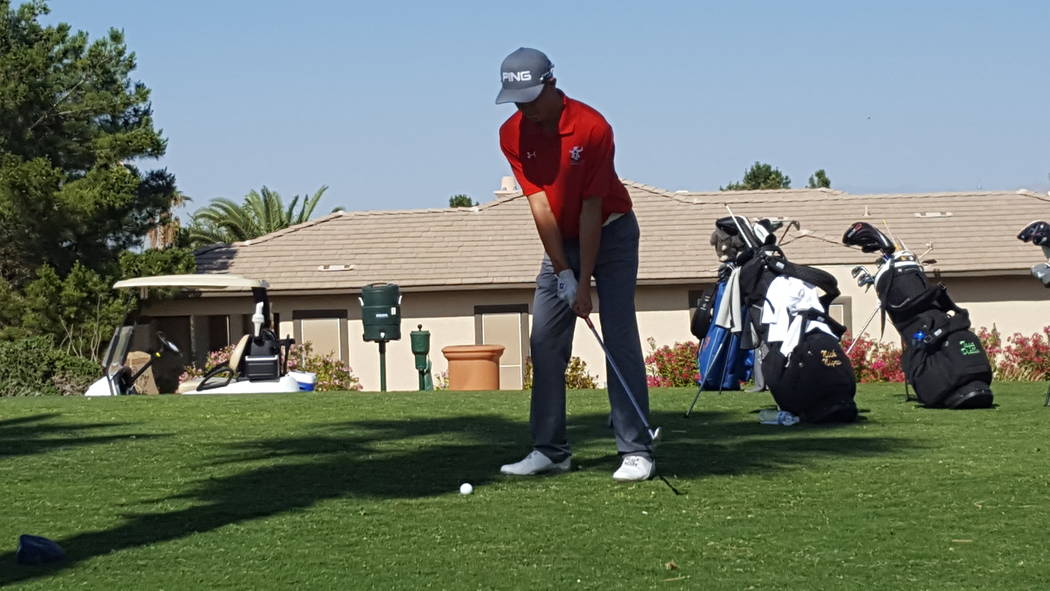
{"points": [[473, 367]]}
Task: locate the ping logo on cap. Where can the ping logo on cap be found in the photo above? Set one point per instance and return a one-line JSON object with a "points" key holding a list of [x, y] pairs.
{"points": [[523, 76]]}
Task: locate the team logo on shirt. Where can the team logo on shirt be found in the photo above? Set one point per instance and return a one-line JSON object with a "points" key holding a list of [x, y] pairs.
{"points": [[530, 155], [576, 153]]}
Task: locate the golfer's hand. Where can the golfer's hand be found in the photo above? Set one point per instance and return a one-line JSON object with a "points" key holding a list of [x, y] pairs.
{"points": [[582, 306], [567, 287]]}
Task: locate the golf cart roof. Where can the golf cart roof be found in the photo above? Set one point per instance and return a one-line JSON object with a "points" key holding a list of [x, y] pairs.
{"points": [[193, 281]]}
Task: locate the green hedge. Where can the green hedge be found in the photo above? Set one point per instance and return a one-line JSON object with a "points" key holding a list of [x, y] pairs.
{"points": [[32, 366]]}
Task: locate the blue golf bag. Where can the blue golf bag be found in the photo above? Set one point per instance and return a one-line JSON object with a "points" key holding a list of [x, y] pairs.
{"points": [[722, 363]]}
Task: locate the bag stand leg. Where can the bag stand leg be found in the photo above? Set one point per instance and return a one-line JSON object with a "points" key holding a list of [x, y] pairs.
{"points": [[907, 393], [703, 377]]}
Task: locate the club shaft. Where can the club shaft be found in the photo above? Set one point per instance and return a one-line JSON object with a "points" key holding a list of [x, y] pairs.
{"points": [[623, 382], [857, 336], [738, 228]]}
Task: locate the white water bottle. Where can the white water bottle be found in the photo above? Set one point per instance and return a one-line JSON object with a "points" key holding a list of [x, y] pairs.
{"points": [[769, 416]]}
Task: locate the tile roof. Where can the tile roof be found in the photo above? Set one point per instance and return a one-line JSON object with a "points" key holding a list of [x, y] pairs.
{"points": [[495, 245]]}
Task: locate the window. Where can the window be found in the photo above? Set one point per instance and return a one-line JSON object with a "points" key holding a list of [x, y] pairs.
{"points": [[326, 330], [505, 325], [694, 295], [841, 310]]}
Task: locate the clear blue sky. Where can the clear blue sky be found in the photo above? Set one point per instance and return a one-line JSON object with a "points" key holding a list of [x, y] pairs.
{"points": [[391, 104]]}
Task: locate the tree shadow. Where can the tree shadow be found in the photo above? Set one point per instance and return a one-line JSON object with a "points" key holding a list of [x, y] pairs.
{"points": [[425, 457], [34, 434]]}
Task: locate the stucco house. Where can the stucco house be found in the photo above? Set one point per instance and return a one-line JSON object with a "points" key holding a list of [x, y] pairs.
{"points": [[467, 274]]}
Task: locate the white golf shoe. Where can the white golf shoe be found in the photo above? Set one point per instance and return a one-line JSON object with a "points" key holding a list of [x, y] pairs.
{"points": [[535, 463], [635, 468]]}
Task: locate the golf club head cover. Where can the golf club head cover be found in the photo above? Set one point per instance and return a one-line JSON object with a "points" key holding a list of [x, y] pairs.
{"points": [[763, 230], [868, 238], [1037, 232]]}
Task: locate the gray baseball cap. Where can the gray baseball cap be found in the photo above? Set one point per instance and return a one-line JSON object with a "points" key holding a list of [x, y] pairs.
{"points": [[523, 73]]}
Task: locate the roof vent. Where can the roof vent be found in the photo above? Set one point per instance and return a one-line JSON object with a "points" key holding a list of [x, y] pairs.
{"points": [[508, 187], [335, 267], [934, 214]]}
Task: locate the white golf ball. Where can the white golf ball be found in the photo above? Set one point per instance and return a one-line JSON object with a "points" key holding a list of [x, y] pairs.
{"points": [[465, 488]]}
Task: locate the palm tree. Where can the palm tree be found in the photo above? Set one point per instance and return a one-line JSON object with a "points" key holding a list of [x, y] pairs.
{"points": [[166, 228], [262, 212]]}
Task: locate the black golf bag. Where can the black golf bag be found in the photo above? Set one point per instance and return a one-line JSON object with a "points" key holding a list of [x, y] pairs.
{"points": [[808, 374], [942, 358]]}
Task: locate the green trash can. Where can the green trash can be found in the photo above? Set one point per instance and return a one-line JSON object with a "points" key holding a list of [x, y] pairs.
{"points": [[381, 318], [421, 349], [381, 312]]}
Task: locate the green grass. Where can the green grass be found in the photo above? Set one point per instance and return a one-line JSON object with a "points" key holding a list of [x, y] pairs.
{"points": [[327, 491]]}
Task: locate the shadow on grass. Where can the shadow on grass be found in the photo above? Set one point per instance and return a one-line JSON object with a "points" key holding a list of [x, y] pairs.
{"points": [[421, 457], [36, 434]]}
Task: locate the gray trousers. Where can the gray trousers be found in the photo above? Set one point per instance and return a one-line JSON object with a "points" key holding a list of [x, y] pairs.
{"points": [[553, 324]]}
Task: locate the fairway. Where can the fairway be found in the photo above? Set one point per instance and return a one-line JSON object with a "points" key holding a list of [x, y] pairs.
{"points": [[360, 490]]}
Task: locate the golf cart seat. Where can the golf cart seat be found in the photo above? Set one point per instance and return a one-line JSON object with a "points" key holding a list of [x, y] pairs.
{"points": [[228, 371]]}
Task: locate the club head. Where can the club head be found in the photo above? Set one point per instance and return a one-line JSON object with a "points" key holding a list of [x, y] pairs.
{"points": [[868, 238], [1038, 233], [654, 434], [863, 277], [1042, 273]]}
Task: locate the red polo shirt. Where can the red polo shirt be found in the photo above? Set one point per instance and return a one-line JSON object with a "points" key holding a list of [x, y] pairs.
{"points": [[575, 164]]}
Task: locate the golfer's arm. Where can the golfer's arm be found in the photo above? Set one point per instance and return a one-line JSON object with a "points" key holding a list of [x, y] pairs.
{"points": [[590, 236], [547, 227]]}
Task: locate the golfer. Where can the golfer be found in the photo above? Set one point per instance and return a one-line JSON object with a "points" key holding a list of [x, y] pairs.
{"points": [[561, 152]]}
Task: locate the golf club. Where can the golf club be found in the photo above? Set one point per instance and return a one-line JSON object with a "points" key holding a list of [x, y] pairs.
{"points": [[890, 231], [863, 277], [739, 229], [787, 228], [857, 336], [654, 434]]}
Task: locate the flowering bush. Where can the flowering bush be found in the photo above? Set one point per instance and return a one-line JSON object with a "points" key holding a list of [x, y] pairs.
{"points": [[874, 361], [1023, 358], [672, 366], [332, 373], [214, 359], [576, 375], [441, 380], [1020, 357]]}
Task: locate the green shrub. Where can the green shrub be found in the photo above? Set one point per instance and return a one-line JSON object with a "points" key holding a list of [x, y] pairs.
{"points": [[33, 366], [576, 375], [332, 373], [74, 374]]}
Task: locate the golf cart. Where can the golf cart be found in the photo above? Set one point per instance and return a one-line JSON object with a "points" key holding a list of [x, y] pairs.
{"points": [[258, 363], [118, 377]]}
